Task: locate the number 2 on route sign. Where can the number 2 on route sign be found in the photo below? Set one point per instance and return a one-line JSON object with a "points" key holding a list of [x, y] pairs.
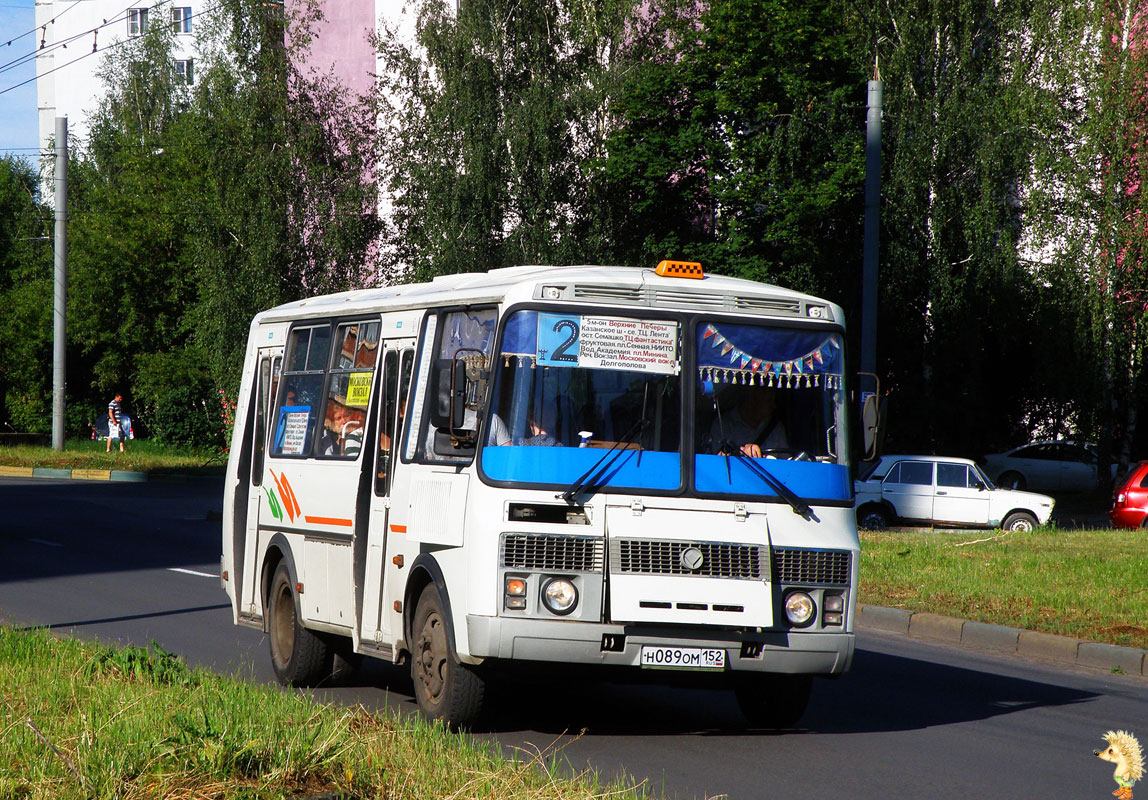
{"points": [[558, 339]]}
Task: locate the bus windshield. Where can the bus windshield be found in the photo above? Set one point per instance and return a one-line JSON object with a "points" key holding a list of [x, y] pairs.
{"points": [[601, 399]]}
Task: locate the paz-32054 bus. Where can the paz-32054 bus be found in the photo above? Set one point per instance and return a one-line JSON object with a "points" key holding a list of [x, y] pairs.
{"points": [[640, 471]]}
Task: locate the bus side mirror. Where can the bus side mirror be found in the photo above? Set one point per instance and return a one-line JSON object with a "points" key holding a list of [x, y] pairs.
{"points": [[870, 426], [449, 407]]}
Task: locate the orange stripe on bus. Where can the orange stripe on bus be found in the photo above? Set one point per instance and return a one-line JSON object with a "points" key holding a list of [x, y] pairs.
{"points": [[291, 495], [343, 523], [398, 529]]}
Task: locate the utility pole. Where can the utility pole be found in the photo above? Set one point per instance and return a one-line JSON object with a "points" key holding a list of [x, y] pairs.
{"points": [[872, 232], [60, 296]]}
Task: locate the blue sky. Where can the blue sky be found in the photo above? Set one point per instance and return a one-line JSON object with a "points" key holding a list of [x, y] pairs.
{"points": [[18, 131]]}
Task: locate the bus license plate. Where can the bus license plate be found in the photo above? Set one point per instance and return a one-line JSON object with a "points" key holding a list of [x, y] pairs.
{"points": [[683, 657]]}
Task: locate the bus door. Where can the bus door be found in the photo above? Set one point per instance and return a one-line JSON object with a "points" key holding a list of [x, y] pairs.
{"points": [[386, 517], [315, 457], [268, 365]]}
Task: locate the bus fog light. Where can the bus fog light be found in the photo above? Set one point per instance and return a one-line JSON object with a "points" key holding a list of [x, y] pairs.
{"points": [[559, 595], [799, 609], [515, 593]]}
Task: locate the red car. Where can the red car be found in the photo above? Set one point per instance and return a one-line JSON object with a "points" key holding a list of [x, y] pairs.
{"points": [[1130, 500]]}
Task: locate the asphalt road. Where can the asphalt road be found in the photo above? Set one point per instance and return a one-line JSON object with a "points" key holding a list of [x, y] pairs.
{"points": [[139, 563]]}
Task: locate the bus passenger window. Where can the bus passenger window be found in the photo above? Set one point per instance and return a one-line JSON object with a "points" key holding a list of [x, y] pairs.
{"points": [[302, 386], [349, 391]]}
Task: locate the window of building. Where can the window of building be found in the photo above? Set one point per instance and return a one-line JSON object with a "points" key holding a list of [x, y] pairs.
{"points": [[137, 21], [181, 19], [185, 71]]}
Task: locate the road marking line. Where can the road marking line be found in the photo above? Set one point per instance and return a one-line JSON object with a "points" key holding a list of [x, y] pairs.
{"points": [[191, 572], [45, 542]]}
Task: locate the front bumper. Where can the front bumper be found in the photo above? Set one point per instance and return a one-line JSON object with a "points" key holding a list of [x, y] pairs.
{"points": [[791, 652]]}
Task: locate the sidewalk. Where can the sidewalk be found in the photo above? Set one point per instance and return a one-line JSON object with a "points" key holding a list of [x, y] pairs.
{"points": [[1030, 644]]}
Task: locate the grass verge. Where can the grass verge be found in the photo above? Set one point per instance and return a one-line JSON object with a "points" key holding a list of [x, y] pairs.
{"points": [[90, 721], [1086, 584], [140, 456]]}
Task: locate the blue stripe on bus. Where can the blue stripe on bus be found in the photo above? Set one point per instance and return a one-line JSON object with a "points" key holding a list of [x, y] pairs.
{"points": [[806, 479], [645, 470], [659, 470]]}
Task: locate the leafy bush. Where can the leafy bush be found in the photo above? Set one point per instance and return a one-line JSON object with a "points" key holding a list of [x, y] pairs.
{"points": [[176, 400]]}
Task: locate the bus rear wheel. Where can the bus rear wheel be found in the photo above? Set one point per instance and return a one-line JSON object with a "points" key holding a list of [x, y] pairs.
{"points": [[298, 656], [773, 701], [445, 688]]}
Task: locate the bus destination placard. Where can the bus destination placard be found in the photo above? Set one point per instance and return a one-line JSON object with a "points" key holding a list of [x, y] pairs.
{"points": [[636, 345]]}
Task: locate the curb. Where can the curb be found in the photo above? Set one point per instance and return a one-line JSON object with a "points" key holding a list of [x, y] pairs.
{"points": [[1003, 639], [124, 475]]}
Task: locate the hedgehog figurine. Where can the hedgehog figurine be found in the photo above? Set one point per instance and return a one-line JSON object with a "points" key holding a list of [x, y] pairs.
{"points": [[1123, 751]]}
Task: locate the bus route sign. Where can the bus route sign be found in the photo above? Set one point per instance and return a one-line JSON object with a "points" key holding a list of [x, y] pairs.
{"points": [[576, 340]]}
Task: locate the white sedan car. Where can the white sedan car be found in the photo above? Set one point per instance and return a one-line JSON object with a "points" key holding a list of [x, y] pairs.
{"points": [[938, 490], [1051, 466]]}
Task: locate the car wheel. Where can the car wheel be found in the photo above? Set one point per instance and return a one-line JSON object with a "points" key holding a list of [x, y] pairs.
{"points": [[445, 688], [1012, 480], [773, 701], [872, 518], [1019, 521], [298, 656]]}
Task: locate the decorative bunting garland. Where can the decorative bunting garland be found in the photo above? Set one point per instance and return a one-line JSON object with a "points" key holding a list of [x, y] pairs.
{"points": [[791, 373]]}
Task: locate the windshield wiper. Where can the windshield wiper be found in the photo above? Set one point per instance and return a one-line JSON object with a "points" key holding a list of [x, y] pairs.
{"points": [[798, 505], [585, 480]]}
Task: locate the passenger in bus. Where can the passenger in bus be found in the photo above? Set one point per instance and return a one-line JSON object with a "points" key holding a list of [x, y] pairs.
{"points": [[754, 425], [535, 434]]}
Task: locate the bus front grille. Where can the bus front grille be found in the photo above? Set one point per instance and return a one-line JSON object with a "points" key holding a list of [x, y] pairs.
{"points": [[550, 552], [820, 567], [717, 559]]}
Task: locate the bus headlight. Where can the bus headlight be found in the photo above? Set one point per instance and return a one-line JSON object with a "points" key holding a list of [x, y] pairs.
{"points": [[559, 595], [799, 609]]}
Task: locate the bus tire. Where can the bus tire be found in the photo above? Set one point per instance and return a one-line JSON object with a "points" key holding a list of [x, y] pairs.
{"points": [[773, 701], [298, 656], [445, 688]]}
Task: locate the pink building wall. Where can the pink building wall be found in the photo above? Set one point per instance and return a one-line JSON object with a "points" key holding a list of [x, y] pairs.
{"points": [[341, 43]]}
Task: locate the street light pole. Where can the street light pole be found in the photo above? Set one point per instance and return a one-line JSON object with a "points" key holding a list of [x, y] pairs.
{"points": [[60, 296]]}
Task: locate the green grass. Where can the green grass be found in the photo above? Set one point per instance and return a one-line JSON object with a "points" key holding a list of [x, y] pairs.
{"points": [[1087, 584], [140, 455], [89, 721]]}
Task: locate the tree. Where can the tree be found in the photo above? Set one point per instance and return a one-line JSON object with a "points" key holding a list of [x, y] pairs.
{"points": [[492, 115], [26, 297], [198, 206], [958, 306], [1087, 206], [739, 142]]}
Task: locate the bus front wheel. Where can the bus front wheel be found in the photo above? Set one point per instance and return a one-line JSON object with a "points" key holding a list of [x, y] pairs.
{"points": [[773, 701], [298, 656], [445, 688]]}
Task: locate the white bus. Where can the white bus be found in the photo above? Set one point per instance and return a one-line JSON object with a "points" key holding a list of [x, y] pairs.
{"points": [[643, 472]]}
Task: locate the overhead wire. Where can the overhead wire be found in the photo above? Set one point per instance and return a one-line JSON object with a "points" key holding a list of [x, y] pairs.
{"points": [[45, 48], [38, 27], [95, 49]]}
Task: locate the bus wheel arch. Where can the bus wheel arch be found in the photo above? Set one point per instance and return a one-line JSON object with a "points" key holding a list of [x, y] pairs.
{"points": [[445, 688], [299, 657]]}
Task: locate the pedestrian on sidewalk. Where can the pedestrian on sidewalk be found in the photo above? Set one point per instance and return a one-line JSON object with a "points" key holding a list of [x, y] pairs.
{"points": [[115, 430]]}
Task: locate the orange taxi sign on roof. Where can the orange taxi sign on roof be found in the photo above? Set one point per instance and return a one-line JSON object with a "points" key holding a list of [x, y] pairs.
{"points": [[680, 269]]}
